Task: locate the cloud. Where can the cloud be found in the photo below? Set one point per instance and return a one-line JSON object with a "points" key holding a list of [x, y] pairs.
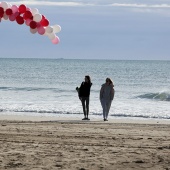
{"points": [[92, 3], [140, 5], [51, 3]]}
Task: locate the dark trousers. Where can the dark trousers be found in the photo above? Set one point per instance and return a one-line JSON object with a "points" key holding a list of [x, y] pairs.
{"points": [[85, 104]]}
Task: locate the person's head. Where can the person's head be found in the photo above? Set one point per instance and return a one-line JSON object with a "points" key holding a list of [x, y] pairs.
{"points": [[87, 79], [109, 81]]}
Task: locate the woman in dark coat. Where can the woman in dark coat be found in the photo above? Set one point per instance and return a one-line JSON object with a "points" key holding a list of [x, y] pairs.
{"points": [[84, 96]]}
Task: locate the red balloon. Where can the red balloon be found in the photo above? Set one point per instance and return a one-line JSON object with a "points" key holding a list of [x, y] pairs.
{"points": [[27, 15], [1, 12], [38, 24], [19, 20], [9, 11], [43, 17], [1, 9], [12, 17], [44, 22], [16, 14], [33, 24], [22, 8], [22, 15]]}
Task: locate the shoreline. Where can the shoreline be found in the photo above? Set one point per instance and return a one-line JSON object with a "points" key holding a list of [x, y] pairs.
{"points": [[78, 118]]}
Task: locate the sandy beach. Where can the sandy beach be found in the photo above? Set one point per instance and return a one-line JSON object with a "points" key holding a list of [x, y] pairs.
{"points": [[28, 144]]}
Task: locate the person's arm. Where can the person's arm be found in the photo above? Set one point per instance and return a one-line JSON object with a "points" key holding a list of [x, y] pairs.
{"points": [[101, 92], [112, 93], [80, 91]]}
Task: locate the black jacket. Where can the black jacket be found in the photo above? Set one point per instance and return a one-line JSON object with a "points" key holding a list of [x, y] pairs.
{"points": [[85, 89]]}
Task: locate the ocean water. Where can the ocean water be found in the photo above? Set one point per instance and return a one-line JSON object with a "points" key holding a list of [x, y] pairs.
{"points": [[46, 87]]}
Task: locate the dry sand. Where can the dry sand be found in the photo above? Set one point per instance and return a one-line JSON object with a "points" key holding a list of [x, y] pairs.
{"points": [[81, 145]]}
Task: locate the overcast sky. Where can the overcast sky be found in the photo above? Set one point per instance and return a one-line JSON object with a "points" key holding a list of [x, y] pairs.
{"points": [[93, 29]]}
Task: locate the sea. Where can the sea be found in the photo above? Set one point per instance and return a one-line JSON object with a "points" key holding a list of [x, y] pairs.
{"points": [[47, 87]]}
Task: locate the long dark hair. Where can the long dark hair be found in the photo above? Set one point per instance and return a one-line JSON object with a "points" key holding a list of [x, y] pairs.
{"points": [[88, 78]]}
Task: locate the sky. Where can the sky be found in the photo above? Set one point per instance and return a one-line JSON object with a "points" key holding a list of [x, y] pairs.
{"points": [[93, 29]]}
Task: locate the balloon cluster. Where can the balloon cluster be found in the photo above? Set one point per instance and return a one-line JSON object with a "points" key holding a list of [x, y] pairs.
{"points": [[32, 18]]}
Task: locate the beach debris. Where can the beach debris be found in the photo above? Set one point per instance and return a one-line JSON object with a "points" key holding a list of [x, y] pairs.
{"points": [[139, 161], [36, 22], [58, 165]]}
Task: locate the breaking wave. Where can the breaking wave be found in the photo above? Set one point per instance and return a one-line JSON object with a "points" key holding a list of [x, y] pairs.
{"points": [[163, 96]]}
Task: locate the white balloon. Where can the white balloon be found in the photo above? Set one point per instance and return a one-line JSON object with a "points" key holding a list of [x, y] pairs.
{"points": [[9, 5], [33, 31], [4, 5], [49, 29], [56, 28], [5, 17], [46, 34], [34, 11], [37, 17], [51, 36]]}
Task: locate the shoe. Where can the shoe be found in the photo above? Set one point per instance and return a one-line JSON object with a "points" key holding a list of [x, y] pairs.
{"points": [[105, 120], [87, 119], [84, 119]]}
